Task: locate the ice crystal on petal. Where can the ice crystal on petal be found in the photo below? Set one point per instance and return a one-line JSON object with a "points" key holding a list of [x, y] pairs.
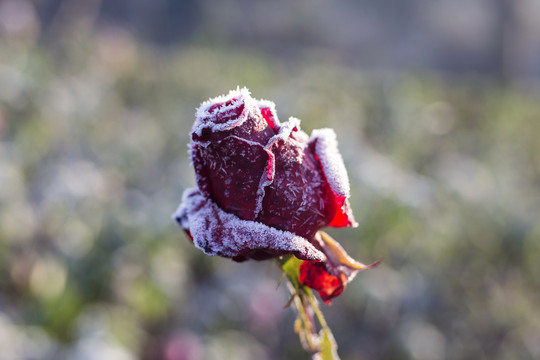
{"points": [[268, 111], [210, 116], [326, 149], [324, 144], [217, 232], [221, 172], [292, 199], [236, 113]]}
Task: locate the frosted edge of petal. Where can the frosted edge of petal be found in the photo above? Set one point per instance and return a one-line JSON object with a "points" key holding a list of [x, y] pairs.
{"points": [[326, 148], [270, 105], [243, 95], [186, 206], [284, 131], [217, 232]]}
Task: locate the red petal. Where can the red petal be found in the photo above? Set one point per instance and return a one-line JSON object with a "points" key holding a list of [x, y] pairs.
{"points": [[230, 172], [217, 232], [236, 113], [323, 145], [315, 276], [343, 216], [293, 200], [268, 112], [231, 112]]}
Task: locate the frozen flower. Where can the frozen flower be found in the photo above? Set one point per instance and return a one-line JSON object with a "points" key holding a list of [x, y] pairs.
{"points": [[264, 188]]}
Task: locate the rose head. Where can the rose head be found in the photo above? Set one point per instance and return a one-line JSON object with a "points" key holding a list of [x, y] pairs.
{"points": [[264, 188]]}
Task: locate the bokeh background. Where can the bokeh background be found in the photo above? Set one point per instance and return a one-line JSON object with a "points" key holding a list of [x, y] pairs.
{"points": [[437, 108]]}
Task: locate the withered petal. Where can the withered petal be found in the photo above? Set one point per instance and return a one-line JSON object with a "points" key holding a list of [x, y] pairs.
{"points": [[315, 276], [324, 145]]}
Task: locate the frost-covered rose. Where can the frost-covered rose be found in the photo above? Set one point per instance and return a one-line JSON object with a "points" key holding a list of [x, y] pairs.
{"points": [[264, 188]]}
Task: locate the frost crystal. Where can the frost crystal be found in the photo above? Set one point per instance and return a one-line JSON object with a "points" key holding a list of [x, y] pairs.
{"points": [[216, 232], [326, 149], [212, 118]]}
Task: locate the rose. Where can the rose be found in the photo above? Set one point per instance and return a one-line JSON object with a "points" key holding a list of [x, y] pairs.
{"points": [[264, 188], [263, 172]]}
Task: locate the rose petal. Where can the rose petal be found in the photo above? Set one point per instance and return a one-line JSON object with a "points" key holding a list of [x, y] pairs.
{"points": [[230, 172], [268, 111], [324, 144], [330, 277], [223, 112], [293, 201], [326, 148], [315, 276], [236, 113], [216, 232]]}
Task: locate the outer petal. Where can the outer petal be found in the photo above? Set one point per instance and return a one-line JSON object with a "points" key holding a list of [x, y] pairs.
{"points": [[293, 201], [236, 113], [324, 145], [268, 111], [232, 173], [216, 232], [330, 277], [315, 276]]}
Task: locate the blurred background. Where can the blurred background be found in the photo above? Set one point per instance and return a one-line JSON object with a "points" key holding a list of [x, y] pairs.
{"points": [[437, 108]]}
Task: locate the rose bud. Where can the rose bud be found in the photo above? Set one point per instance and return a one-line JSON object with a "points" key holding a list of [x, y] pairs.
{"points": [[264, 188]]}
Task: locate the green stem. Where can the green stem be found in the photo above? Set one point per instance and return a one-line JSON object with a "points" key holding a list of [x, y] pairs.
{"points": [[320, 345]]}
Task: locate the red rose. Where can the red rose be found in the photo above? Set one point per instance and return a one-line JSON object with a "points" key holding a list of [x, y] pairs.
{"points": [[264, 188]]}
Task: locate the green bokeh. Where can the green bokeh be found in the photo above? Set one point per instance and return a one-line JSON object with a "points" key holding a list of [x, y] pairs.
{"points": [[445, 175]]}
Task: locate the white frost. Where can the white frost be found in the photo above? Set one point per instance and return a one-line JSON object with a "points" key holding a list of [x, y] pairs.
{"points": [[267, 177], [217, 232], [270, 105], [284, 131], [326, 148], [206, 119]]}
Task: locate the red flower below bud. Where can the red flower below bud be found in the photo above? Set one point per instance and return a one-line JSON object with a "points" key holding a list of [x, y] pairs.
{"points": [[314, 275], [329, 278]]}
